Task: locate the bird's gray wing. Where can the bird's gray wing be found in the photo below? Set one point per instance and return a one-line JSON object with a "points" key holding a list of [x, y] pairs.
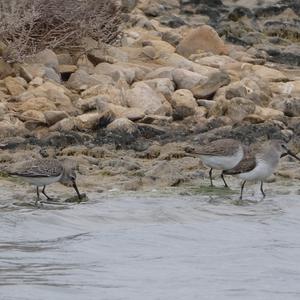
{"points": [[38, 168], [247, 164]]}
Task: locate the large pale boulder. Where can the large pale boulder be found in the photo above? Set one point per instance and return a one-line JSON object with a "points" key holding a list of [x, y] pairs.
{"points": [[14, 86], [45, 57], [129, 72], [64, 125], [290, 106], [57, 94], [185, 79], [290, 88], [177, 61], [12, 127], [54, 116], [236, 109], [183, 104], [203, 38], [215, 61], [33, 115], [269, 73], [163, 72], [31, 71], [252, 88], [88, 121], [81, 80], [38, 103], [162, 85], [210, 85], [112, 93], [122, 125], [267, 113], [142, 96]]}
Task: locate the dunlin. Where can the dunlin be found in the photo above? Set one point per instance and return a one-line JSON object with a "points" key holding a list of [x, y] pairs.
{"points": [[41, 172], [223, 154], [260, 163]]}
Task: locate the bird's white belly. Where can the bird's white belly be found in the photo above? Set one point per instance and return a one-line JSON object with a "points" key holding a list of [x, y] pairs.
{"points": [[222, 162], [262, 171], [41, 181]]}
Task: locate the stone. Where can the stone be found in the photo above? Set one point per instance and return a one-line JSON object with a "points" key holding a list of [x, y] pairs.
{"points": [[208, 87], [111, 93], [38, 103], [160, 46], [142, 96], [177, 61], [5, 69], [162, 85], [163, 72], [290, 88], [128, 5], [252, 88], [267, 113], [14, 86], [150, 52], [163, 173], [289, 106], [238, 108], [183, 104], [185, 79], [65, 59], [29, 72], [129, 72], [97, 56], [57, 94], [33, 115], [203, 38], [81, 80], [14, 127], [3, 110], [122, 125], [54, 116], [63, 69], [88, 121], [214, 61], [45, 57], [172, 37], [37, 81], [269, 73], [64, 125]]}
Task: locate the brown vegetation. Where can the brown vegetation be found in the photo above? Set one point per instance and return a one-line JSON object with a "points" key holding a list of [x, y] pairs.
{"points": [[28, 26]]}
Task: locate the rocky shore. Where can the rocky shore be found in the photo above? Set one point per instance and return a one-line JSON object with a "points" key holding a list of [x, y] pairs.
{"points": [[187, 72]]}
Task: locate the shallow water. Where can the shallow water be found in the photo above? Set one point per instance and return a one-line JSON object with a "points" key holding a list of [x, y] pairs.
{"points": [[180, 244]]}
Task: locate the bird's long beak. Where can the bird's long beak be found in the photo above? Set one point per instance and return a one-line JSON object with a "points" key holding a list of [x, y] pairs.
{"points": [[76, 189], [289, 152]]}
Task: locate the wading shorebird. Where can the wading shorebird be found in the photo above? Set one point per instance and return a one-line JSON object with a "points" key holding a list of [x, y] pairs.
{"points": [[41, 172], [223, 154], [259, 164]]}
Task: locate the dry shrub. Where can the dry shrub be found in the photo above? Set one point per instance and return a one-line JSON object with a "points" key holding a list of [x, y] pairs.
{"points": [[28, 26]]}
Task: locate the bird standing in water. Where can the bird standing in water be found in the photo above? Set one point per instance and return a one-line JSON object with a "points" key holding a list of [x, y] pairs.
{"points": [[41, 172], [259, 164], [223, 154]]}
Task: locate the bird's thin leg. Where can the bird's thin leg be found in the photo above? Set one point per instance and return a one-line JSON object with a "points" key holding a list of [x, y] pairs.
{"points": [[262, 189], [210, 177], [225, 183], [44, 192], [38, 196], [242, 188]]}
